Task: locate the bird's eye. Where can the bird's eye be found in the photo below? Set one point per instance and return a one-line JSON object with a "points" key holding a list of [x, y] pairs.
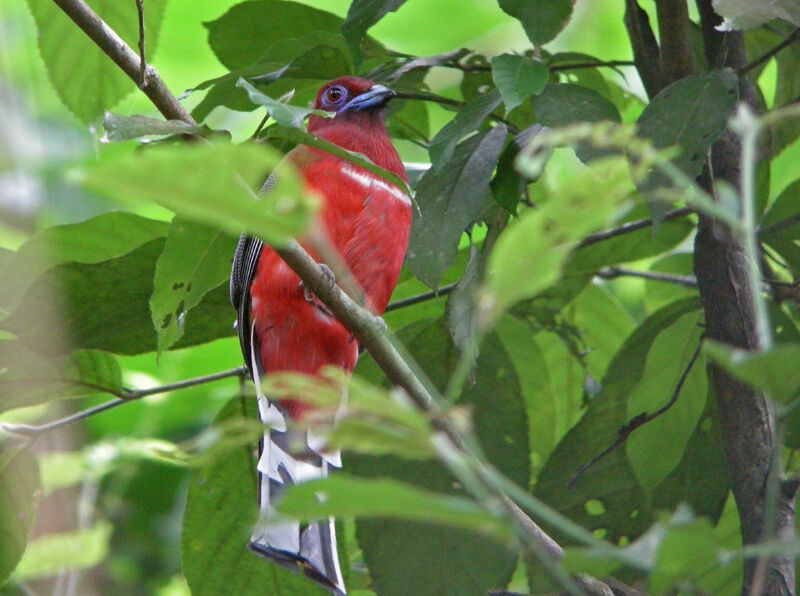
{"points": [[335, 94]]}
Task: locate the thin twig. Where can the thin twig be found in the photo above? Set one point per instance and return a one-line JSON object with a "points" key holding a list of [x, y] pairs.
{"points": [[443, 291], [116, 49], [689, 281], [142, 57], [123, 396], [761, 59], [639, 420], [629, 227], [591, 64]]}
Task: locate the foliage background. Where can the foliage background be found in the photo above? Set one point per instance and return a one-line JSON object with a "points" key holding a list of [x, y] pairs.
{"points": [[114, 487]]}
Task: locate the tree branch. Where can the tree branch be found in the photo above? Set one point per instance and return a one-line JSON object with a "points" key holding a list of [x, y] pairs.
{"points": [[688, 281], [646, 54], [761, 59], [432, 97], [116, 49], [124, 396], [677, 55], [630, 227]]}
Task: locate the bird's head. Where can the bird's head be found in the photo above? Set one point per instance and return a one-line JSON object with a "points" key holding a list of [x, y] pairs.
{"points": [[352, 95]]}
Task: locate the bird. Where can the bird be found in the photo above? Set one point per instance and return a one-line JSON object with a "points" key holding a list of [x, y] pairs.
{"points": [[282, 327]]}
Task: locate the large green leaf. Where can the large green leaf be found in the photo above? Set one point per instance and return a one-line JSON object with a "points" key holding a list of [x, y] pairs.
{"points": [[98, 239], [86, 80], [561, 104], [196, 259], [690, 114], [28, 378], [787, 91], [221, 511], [450, 198], [607, 497], [517, 78], [242, 35], [655, 448], [542, 20], [211, 184], [362, 15], [101, 306], [19, 488], [416, 558]]}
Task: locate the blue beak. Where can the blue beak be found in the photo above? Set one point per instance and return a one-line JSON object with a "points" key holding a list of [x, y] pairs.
{"points": [[375, 96]]}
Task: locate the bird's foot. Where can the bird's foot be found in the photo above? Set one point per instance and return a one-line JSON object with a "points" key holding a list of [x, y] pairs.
{"points": [[330, 279]]}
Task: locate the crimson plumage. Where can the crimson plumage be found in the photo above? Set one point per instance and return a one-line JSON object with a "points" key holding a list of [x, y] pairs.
{"points": [[366, 221]]}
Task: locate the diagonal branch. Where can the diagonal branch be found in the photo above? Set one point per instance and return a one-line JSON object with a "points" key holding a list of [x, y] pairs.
{"points": [[121, 53]]}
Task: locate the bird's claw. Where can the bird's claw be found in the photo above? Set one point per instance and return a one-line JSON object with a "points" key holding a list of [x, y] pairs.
{"points": [[327, 274]]}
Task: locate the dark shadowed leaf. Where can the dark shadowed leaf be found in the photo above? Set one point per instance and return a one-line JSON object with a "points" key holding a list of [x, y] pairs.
{"points": [[689, 114], [29, 378], [466, 122], [196, 259], [561, 104], [607, 496], [507, 184], [362, 15], [450, 198], [221, 511], [98, 239], [415, 558], [517, 78], [542, 20], [19, 498], [86, 80]]}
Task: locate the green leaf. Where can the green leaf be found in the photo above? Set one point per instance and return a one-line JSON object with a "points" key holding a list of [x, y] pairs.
{"points": [[450, 198], [343, 495], [362, 15], [655, 448], [221, 512], [518, 77], [466, 122], [50, 554], [542, 20], [283, 113], [620, 507], [529, 255], [690, 114], [659, 293], [561, 104], [787, 91], [776, 371], [195, 259], [215, 187], [243, 34], [507, 185], [28, 378], [102, 306], [423, 559], [85, 79], [19, 499], [104, 237], [124, 128]]}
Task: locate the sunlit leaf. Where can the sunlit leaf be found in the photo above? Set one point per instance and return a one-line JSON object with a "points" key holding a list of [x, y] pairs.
{"points": [[51, 554], [86, 80], [343, 495], [215, 186]]}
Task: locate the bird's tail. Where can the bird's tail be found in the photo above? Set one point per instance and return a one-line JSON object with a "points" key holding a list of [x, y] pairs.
{"points": [[289, 456]]}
